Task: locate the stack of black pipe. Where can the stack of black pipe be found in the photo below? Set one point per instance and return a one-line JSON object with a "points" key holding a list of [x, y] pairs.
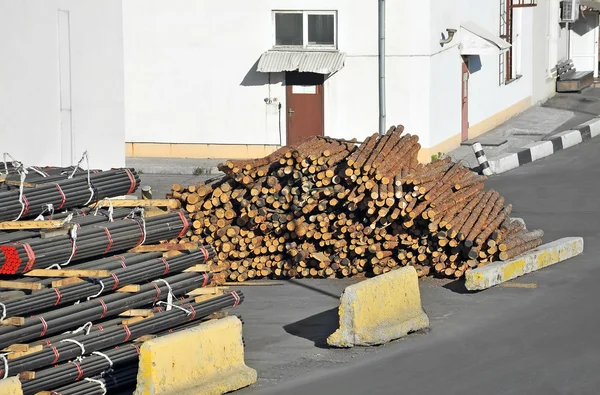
{"points": [[68, 193], [139, 270], [40, 175], [89, 241], [122, 378], [99, 339]]}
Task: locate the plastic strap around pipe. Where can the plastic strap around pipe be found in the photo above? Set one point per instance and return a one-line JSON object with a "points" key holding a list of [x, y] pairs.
{"points": [[13, 160], [68, 219], [3, 312], [174, 305], [99, 292], [37, 171], [87, 327], [23, 174], [77, 343], [100, 383], [110, 362], [111, 209], [3, 356], [170, 295]]}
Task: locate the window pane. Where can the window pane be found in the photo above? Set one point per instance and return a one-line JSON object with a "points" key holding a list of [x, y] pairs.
{"points": [[288, 29], [321, 29]]}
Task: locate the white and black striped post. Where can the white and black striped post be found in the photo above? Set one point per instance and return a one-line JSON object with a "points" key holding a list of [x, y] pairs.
{"points": [[482, 159]]}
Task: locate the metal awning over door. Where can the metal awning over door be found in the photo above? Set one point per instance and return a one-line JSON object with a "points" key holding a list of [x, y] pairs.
{"points": [[320, 62], [476, 40]]}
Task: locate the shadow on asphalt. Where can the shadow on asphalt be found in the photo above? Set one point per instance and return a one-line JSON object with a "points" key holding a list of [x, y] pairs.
{"points": [[315, 289], [457, 286], [316, 328]]}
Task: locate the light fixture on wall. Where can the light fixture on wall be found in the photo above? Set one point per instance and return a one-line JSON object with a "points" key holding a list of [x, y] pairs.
{"points": [[451, 33]]}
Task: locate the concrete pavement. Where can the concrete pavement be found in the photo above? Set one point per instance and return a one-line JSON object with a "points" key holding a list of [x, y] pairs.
{"points": [[539, 337]]}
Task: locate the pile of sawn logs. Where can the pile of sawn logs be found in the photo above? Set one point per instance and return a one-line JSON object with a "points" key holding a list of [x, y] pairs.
{"points": [[72, 313], [328, 207]]}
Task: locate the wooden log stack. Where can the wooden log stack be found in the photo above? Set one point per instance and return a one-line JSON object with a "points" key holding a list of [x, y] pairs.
{"points": [[330, 208]]}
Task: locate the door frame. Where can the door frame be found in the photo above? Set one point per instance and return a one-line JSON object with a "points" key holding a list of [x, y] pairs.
{"points": [[297, 79]]}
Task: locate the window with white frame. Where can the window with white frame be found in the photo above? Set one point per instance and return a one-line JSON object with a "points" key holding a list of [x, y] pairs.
{"points": [[306, 29]]}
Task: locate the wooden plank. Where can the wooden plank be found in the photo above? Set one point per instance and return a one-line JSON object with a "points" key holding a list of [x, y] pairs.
{"points": [[207, 291], [256, 283], [49, 224], [132, 320], [2, 178], [166, 247], [20, 285], [17, 348], [145, 338], [16, 321], [171, 254], [31, 350], [44, 393], [137, 313], [131, 288], [66, 281], [67, 273], [170, 203], [202, 268], [26, 376], [18, 184]]}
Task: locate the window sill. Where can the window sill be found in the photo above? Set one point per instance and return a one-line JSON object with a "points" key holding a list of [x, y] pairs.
{"points": [[518, 77], [299, 48]]}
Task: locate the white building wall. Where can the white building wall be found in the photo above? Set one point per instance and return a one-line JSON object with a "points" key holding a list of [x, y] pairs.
{"points": [[190, 70], [29, 75]]}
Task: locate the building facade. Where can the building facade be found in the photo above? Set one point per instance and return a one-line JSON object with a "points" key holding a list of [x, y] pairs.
{"points": [[199, 79], [205, 79]]}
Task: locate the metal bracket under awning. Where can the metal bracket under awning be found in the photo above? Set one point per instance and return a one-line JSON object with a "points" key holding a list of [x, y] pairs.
{"points": [[475, 40], [320, 62]]}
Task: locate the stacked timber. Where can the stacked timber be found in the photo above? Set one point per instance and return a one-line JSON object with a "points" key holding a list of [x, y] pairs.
{"points": [[332, 208]]}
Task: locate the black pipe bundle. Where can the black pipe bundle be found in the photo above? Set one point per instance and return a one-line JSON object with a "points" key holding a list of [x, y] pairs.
{"points": [[57, 320], [139, 270], [71, 372], [121, 378], [40, 175], [89, 241], [98, 339], [69, 193]]}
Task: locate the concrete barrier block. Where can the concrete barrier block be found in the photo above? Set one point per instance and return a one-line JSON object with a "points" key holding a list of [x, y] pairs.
{"points": [[540, 149], [380, 309], [207, 360], [539, 258], [503, 163], [569, 138], [10, 386]]}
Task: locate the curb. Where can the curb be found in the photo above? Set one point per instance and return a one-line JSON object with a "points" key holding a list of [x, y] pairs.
{"points": [[546, 255], [541, 149], [187, 170], [207, 359], [380, 309]]}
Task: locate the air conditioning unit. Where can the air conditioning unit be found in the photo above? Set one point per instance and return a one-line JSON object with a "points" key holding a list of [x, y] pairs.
{"points": [[569, 10]]}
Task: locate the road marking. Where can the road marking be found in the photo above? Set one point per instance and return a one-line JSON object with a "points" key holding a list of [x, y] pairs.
{"points": [[518, 285]]}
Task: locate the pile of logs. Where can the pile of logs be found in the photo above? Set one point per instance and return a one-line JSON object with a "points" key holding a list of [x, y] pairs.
{"points": [[328, 207]]}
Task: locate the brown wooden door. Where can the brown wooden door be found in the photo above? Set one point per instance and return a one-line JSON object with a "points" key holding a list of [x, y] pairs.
{"points": [[465, 102], [305, 112]]}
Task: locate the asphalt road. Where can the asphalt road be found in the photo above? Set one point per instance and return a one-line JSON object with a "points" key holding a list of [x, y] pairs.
{"points": [[542, 340], [585, 106]]}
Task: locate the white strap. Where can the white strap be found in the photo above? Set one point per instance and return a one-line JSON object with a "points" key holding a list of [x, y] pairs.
{"points": [[68, 219], [99, 292], [169, 305], [87, 327], [170, 295], [110, 209], [23, 174], [75, 342], [3, 356], [74, 238], [37, 171], [110, 362], [141, 211], [100, 383], [3, 311]]}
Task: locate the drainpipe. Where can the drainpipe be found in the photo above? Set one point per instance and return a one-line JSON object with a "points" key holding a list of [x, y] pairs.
{"points": [[382, 120]]}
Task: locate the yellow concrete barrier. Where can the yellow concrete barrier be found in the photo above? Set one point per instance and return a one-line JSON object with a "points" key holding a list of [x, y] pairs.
{"points": [[545, 255], [380, 309], [10, 386], [207, 360]]}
